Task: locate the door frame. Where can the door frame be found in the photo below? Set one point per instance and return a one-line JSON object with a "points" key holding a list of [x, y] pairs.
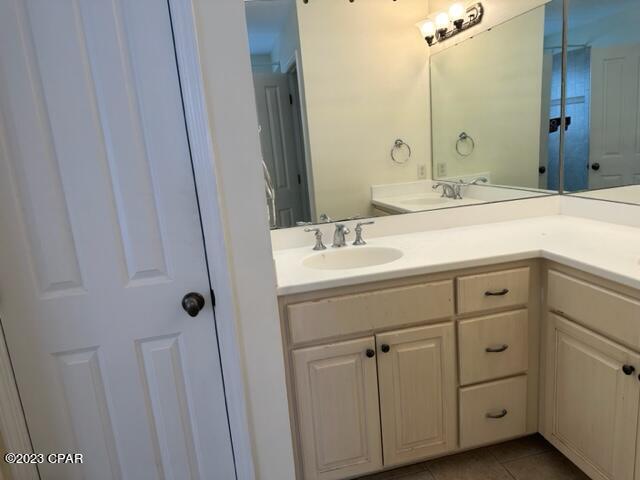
{"points": [[203, 159], [212, 54]]}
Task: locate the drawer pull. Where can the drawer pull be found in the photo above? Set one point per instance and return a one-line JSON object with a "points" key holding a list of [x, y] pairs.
{"points": [[496, 416], [628, 369], [498, 349], [500, 293]]}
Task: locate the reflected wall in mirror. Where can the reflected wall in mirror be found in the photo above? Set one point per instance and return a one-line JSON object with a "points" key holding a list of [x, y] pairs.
{"points": [[602, 150], [495, 104], [343, 93]]}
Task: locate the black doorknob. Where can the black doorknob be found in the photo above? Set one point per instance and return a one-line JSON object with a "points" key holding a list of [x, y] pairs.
{"points": [[371, 353], [385, 348], [628, 369], [595, 166], [542, 170], [192, 303]]}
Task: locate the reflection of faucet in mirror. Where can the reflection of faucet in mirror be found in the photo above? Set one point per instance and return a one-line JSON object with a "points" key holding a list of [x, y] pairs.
{"points": [[475, 181], [449, 190]]}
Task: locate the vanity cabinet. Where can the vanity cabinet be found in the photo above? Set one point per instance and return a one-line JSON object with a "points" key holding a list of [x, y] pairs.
{"points": [[398, 372], [338, 409], [591, 385], [416, 369], [413, 376]]}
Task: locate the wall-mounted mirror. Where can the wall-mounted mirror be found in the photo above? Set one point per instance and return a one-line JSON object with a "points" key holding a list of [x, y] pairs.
{"points": [[359, 116], [602, 146], [495, 105]]}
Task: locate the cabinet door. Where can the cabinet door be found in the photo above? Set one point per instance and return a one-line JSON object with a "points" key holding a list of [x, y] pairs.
{"points": [[417, 392], [591, 403], [338, 409]]}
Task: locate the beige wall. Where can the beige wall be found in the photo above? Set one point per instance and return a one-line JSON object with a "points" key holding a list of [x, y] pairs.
{"points": [[366, 84], [491, 88]]}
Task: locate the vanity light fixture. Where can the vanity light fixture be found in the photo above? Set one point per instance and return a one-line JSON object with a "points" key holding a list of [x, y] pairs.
{"points": [[428, 30], [445, 25]]}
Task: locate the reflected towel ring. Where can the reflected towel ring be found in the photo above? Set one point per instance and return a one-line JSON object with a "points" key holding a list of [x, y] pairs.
{"points": [[398, 145], [463, 137]]}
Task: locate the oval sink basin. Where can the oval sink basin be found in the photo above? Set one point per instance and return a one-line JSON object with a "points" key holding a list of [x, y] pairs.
{"points": [[352, 257], [424, 201]]}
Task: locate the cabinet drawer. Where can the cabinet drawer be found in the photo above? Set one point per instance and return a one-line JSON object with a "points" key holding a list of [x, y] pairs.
{"points": [[493, 411], [492, 347], [488, 291], [614, 315], [365, 312]]}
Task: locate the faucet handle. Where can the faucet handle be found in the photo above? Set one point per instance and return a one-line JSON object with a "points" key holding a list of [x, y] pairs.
{"points": [[318, 235], [359, 240]]}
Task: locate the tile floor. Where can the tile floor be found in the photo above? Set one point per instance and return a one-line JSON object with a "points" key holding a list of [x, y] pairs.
{"points": [[530, 458]]}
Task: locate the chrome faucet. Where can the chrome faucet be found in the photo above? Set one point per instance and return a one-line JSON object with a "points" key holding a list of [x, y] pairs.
{"points": [[339, 236], [449, 190], [475, 181], [359, 240], [318, 234]]}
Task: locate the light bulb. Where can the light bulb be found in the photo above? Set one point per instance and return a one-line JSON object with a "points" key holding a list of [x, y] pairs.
{"points": [[442, 21], [456, 12], [427, 28]]}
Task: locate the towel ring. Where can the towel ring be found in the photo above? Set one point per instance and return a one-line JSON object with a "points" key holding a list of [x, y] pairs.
{"points": [[463, 137], [399, 144]]}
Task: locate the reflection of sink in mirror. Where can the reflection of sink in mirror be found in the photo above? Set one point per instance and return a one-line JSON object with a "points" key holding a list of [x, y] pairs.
{"points": [[418, 196], [352, 257], [424, 201]]}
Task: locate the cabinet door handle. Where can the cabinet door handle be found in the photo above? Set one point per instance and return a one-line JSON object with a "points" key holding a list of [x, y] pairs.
{"points": [[498, 349], [385, 348], [499, 293], [371, 353], [628, 369], [501, 414]]}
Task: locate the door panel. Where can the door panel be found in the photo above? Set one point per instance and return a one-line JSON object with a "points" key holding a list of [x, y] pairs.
{"points": [[277, 140], [100, 240], [338, 412], [615, 124], [592, 406], [417, 392]]}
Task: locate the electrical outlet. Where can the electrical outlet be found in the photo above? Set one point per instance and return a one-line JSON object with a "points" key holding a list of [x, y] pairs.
{"points": [[442, 170], [422, 171]]}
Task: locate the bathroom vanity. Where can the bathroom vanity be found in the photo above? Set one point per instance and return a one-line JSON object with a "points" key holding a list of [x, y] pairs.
{"points": [[591, 358], [390, 373], [412, 360]]}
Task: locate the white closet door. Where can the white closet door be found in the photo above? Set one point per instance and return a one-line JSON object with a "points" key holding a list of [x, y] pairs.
{"points": [[99, 241], [615, 123]]}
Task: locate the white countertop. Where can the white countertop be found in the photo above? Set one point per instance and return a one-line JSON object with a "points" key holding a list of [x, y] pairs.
{"points": [[608, 250], [628, 194]]}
